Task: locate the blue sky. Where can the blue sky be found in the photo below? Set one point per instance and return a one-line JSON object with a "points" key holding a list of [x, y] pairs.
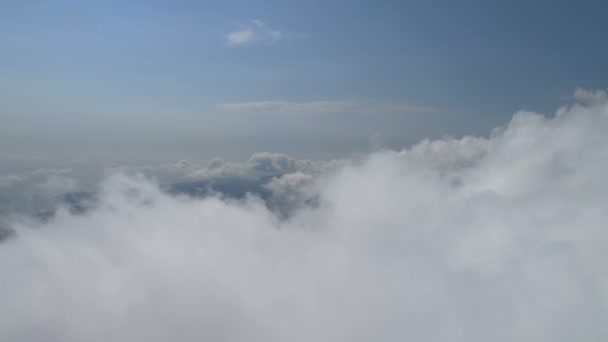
{"points": [[312, 78]]}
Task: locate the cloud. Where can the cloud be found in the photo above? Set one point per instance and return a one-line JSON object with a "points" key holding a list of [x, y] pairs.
{"points": [[271, 162], [34, 191], [290, 192], [475, 239], [290, 108], [328, 106], [405, 108], [255, 33], [8, 180], [289, 183], [258, 168], [449, 153], [590, 97]]}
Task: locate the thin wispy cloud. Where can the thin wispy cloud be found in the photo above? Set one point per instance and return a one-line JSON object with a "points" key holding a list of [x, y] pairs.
{"points": [[328, 106], [295, 108], [406, 108], [254, 33]]}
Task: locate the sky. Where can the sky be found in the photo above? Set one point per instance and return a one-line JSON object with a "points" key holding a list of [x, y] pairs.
{"points": [[150, 80], [303, 170]]}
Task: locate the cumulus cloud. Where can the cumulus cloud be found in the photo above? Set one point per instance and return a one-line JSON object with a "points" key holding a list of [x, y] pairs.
{"points": [[475, 239], [290, 192], [590, 96], [260, 164], [449, 153], [255, 33]]}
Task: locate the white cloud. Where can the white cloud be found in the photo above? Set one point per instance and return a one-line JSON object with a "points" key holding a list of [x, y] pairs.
{"points": [[448, 154], [394, 250], [254, 33], [590, 97], [240, 37], [259, 164]]}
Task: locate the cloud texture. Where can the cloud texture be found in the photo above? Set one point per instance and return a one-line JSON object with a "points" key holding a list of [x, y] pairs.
{"points": [[475, 239]]}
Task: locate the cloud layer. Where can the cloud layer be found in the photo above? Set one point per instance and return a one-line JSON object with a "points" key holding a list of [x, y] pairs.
{"points": [[474, 239]]}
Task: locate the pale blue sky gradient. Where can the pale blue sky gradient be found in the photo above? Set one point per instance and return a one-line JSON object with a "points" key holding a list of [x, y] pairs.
{"points": [[150, 78]]}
